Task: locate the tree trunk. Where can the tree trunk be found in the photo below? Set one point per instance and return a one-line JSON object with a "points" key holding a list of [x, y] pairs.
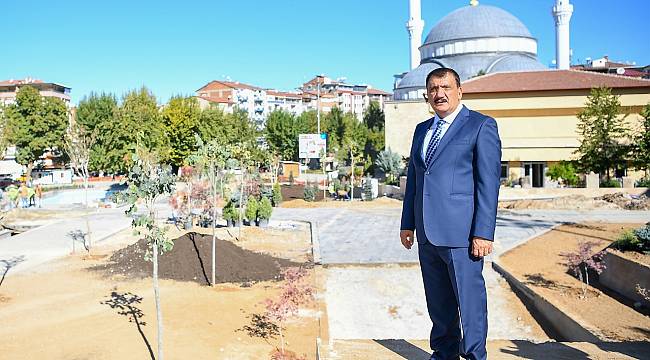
{"points": [[352, 177], [28, 174], [156, 291], [241, 200], [214, 222], [85, 175]]}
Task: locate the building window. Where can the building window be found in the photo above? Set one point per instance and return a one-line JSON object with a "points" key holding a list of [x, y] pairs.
{"points": [[504, 170]]}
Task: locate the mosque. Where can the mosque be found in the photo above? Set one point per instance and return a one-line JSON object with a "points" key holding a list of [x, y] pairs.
{"points": [[496, 57], [473, 40]]}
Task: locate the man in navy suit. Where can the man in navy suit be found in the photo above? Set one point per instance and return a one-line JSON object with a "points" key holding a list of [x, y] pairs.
{"points": [[451, 199]]}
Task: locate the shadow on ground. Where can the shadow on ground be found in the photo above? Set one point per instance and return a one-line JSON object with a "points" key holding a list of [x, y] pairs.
{"points": [[560, 351], [125, 304], [404, 349], [7, 264]]}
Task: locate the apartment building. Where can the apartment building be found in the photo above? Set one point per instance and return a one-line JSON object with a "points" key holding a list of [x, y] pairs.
{"points": [[9, 88]]}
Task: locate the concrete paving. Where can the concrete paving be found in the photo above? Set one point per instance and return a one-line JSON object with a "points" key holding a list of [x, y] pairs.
{"points": [[387, 302], [34, 247], [49, 242], [371, 236], [380, 301]]}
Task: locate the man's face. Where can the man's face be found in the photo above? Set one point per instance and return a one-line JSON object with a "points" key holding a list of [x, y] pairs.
{"points": [[443, 95]]}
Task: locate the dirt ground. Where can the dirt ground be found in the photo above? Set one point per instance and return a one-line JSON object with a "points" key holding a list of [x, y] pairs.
{"points": [[539, 263], [381, 202], [618, 200], [73, 312], [295, 191]]}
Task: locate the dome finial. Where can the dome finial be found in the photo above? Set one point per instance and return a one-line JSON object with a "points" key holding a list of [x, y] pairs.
{"points": [[473, 2]]}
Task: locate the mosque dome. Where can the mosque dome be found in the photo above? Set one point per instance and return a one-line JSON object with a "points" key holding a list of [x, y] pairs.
{"points": [[477, 22], [475, 39]]}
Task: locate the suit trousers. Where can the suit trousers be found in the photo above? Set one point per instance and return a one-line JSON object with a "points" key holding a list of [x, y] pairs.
{"points": [[456, 301]]}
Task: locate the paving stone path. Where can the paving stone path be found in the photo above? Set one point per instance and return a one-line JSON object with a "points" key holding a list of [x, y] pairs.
{"points": [[378, 299]]}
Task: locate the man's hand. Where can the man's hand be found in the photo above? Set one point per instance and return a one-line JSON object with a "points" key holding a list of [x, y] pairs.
{"points": [[407, 238], [480, 247]]}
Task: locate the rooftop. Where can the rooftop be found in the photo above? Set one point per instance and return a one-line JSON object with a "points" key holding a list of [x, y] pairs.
{"points": [[548, 80]]}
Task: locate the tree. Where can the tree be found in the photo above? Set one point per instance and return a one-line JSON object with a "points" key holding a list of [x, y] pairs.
{"points": [[390, 163], [641, 143], [602, 129], [78, 144], [35, 124], [138, 124], [212, 122], [564, 171], [374, 119], [580, 261], [211, 158], [147, 182], [282, 130], [97, 114], [294, 292], [181, 125]]}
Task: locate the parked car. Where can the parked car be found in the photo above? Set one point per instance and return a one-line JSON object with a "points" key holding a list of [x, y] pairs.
{"points": [[6, 181]]}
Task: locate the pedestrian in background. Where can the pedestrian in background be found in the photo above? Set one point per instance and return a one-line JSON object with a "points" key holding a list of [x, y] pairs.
{"points": [[39, 194], [23, 193]]}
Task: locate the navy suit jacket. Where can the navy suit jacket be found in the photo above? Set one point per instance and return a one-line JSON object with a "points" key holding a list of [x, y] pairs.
{"points": [[455, 198]]}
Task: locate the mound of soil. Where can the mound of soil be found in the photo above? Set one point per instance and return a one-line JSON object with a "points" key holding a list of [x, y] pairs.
{"points": [[191, 259], [626, 201], [577, 202], [296, 191]]}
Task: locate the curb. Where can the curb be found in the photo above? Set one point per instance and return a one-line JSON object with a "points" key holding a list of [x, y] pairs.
{"points": [[567, 327], [315, 243]]}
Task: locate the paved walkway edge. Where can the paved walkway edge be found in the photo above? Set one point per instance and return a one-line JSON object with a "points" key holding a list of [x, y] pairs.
{"points": [[568, 328], [315, 243]]}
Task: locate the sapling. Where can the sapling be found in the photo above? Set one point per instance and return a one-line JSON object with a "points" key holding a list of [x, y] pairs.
{"points": [[294, 292], [582, 260], [78, 144], [147, 182]]}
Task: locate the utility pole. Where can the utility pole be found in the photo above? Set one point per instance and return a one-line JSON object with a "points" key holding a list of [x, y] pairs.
{"points": [[318, 102], [352, 176]]}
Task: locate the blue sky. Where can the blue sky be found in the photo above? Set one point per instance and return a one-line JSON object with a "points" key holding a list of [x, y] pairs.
{"points": [[175, 47]]}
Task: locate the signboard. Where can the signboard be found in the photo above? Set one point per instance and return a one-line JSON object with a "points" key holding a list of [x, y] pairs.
{"points": [[310, 146]]}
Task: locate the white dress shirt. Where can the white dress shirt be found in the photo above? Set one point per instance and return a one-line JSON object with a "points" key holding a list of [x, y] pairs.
{"points": [[448, 120]]}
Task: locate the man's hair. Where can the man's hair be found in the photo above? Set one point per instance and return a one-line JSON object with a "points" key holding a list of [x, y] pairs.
{"points": [[440, 73]]}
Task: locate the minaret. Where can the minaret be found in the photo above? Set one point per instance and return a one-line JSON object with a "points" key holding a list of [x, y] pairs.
{"points": [[562, 13], [414, 26]]}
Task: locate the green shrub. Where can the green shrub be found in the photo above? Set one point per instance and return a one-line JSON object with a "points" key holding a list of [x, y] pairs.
{"points": [[264, 209], [309, 194], [251, 208], [643, 182], [643, 235], [277, 194], [563, 170], [611, 183], [634, 240], [230, 211]]}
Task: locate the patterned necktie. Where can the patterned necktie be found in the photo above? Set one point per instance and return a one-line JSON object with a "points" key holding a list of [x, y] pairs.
{"points": [[433, 143]]}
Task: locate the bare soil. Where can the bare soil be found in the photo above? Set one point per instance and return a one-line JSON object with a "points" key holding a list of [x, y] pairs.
{"points": [[74, 311], [191, 259], [617, 201], [296, 191], [382, 202], [541, 265]]}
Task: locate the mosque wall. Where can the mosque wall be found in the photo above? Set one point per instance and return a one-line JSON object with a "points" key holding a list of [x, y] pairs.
{"points": [[535, 127]]}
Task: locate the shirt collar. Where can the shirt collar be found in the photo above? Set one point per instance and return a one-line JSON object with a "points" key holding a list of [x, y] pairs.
{"points": [[451, 117]]}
